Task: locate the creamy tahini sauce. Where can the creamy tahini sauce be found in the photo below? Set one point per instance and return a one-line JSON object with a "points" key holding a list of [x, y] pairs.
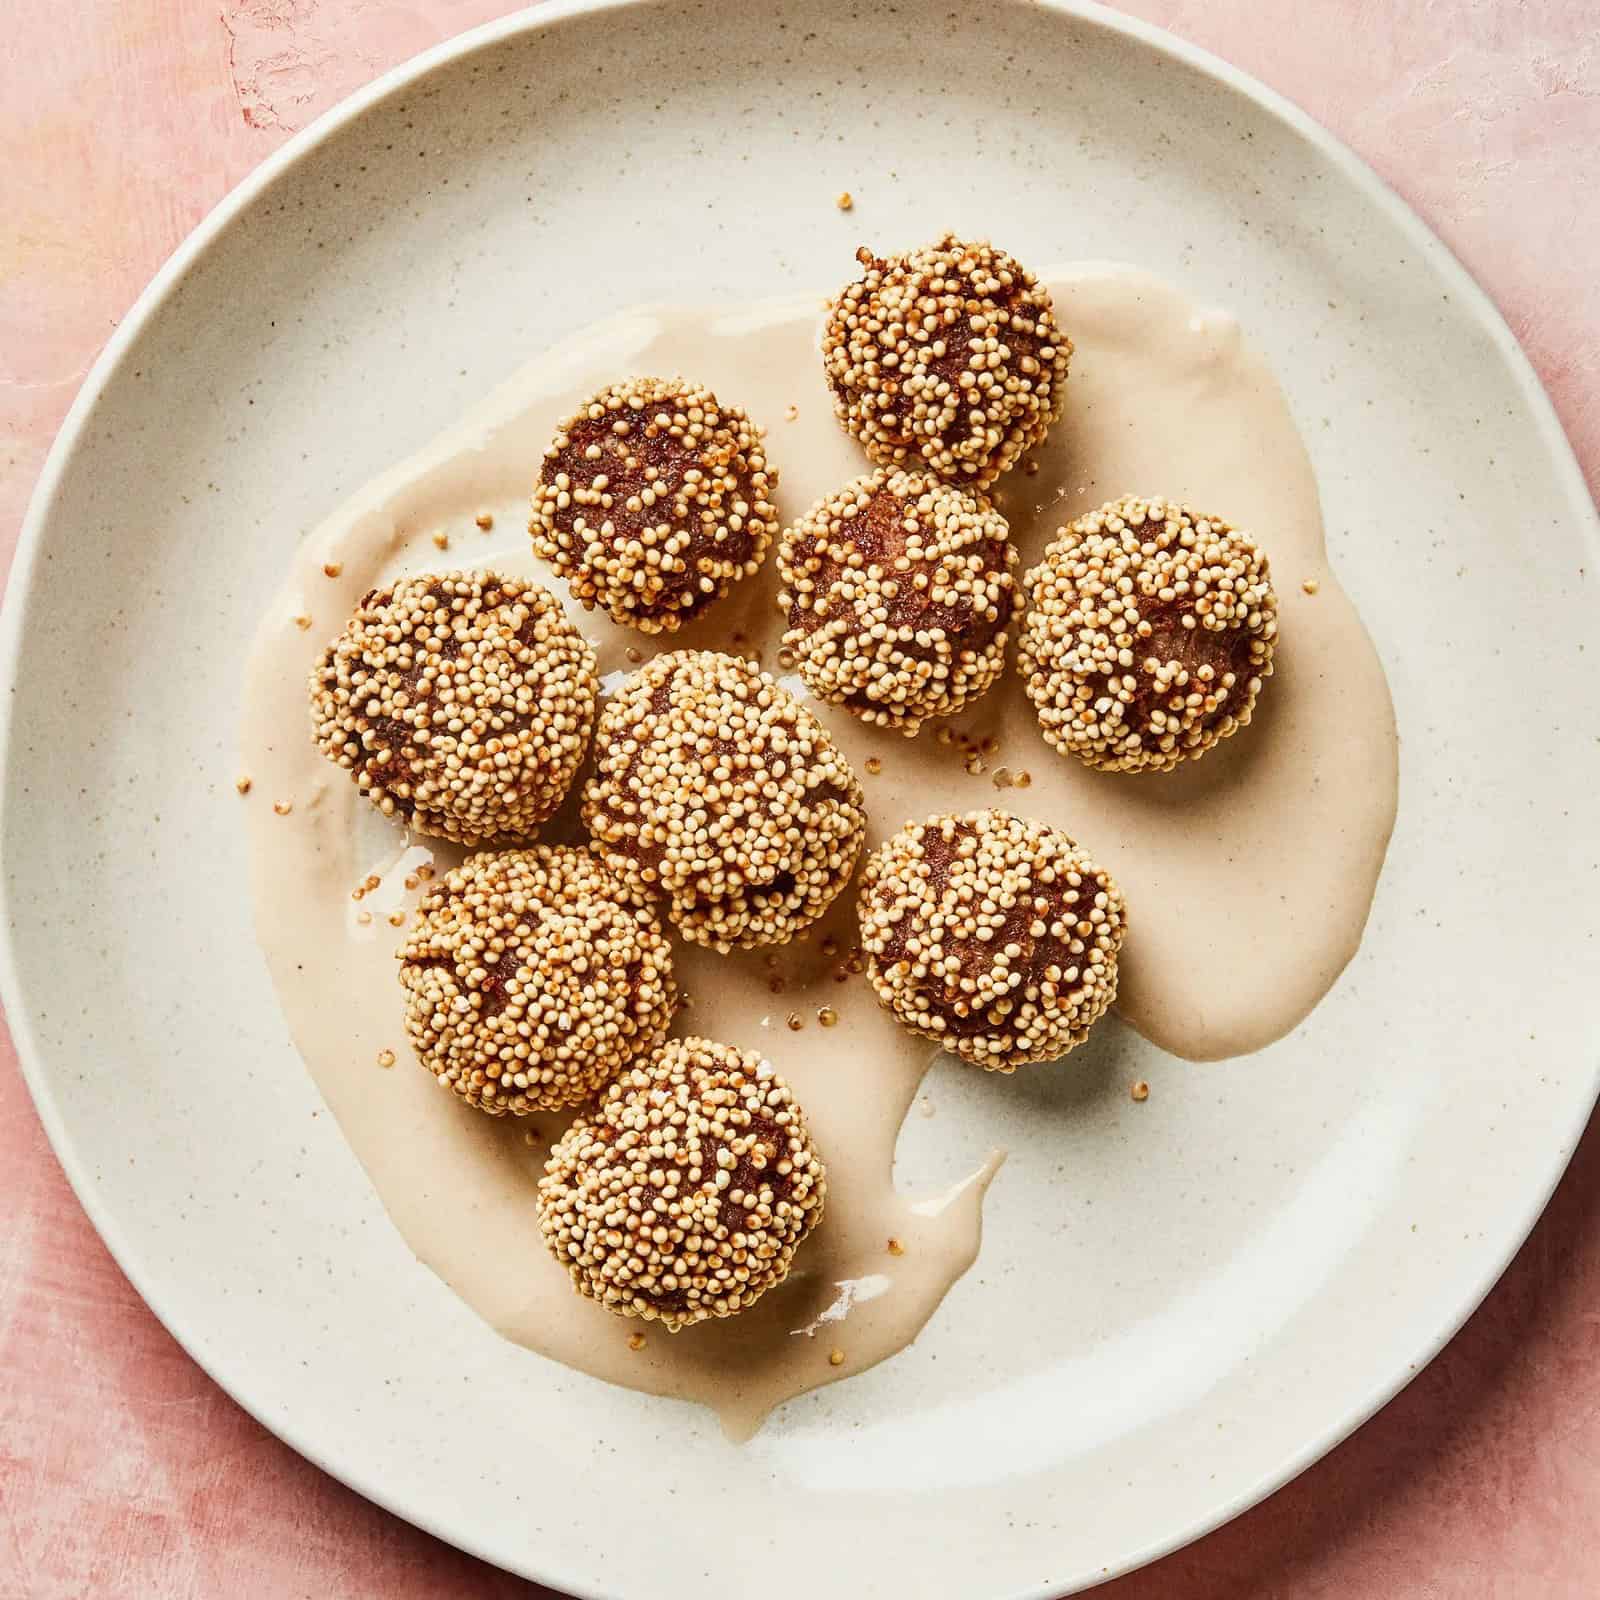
{"points": [[1248, 875]]}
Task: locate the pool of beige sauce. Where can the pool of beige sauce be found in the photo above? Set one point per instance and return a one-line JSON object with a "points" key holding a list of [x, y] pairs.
{"points": [[1248, 875]]}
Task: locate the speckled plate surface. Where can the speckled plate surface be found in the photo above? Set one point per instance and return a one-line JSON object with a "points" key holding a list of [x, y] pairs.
{"points": [[1180, 1303]]}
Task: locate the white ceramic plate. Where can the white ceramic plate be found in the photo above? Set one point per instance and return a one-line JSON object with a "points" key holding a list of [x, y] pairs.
{"points": [[1179, 1304]]}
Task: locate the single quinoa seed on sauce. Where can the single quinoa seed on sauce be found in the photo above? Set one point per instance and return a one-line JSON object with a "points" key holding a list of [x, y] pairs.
{"points": [[996, 936], [949, 356], [532, 978], [715, 788], [1149, 632], [898, 590], [686, 1192], [653, 500], [462, 704]]}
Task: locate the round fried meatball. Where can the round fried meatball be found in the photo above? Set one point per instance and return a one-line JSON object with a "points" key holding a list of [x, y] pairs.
{"points": [[653, 500], [1149, 632], [685, 1194], [898, 590], [532, 978], [461, 704], [949, 355], [716, 788], [996, 936]]}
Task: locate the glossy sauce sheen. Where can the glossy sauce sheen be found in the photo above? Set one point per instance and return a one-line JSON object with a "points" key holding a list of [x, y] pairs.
{"points": [[1248, 874]]}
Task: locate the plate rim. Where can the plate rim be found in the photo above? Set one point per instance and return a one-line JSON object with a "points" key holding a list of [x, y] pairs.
{"points": [[1570, 481]]}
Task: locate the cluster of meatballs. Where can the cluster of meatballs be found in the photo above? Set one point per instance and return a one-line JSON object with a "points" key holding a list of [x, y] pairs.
{"points": [[538, 977]]}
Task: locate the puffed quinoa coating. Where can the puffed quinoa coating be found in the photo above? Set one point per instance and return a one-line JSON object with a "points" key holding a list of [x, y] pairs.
{"points": [[1148, 634], [994, 935], [948, 356], [898, 591], [714, 787], [686, 1192], [653, 500], [532, 978], [460, 703]]}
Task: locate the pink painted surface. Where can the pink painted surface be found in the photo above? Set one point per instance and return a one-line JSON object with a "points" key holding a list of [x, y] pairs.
{"points": [[123, 1469]]}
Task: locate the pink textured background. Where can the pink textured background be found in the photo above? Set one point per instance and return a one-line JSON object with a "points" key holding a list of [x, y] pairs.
{"points": [[123, 1470]]}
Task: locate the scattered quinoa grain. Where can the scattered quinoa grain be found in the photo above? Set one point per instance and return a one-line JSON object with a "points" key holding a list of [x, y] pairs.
{"points": [[795, 1021], [836, 1357], [1311, 585], [397, 919], [302, 622], [896, 1248], [827, 1016], [243, 785], [873, 765], [636, 1341], [845, 201], [949, 354], [1023, 780], [441, 541], [332, 569], [283, 807], [1141, 1090], [485, 520], [708, 1139], [386, 1058], [791, 413]]}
